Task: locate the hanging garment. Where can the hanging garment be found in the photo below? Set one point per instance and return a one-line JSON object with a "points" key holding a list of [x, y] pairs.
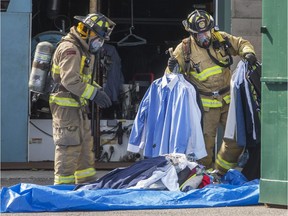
{"points": [[115, 77], [240, 117], [168, 120], [230, 129], [251, 169], [251, 118], [243, 121], [196, 118], [198, 99]]}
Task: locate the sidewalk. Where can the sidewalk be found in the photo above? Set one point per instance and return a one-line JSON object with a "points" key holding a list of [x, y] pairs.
{"points": [[44, 177]]}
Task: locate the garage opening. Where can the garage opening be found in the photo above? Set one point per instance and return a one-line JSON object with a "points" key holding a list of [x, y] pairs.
{"points": [[155, 26]]}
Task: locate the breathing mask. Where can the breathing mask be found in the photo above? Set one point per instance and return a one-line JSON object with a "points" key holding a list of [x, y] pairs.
{"points": [[95, 44], [203, 39]]}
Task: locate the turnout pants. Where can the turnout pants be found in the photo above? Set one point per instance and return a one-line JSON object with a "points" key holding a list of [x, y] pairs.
{"points": [[229, 152], [74, 156]]}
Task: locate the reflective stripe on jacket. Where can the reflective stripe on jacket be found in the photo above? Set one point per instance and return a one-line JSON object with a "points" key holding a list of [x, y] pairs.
{"points": [[72, 70], [206, 73]]}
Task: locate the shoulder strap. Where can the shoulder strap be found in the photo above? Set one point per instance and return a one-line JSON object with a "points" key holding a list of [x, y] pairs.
{"points": [[216, 61], [218, 42], [186, 48]]}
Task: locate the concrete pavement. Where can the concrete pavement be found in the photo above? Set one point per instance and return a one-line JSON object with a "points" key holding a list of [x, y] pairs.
{"points": [[44, 177]]}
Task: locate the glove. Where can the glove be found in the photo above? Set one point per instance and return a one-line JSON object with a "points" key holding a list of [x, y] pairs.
{"points": [[251, 58], [102, 99], [172, 61]]}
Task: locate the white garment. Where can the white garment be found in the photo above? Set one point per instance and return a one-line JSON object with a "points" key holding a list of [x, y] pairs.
{"points": [[236, 81], [167, 175], [180, 161], [230, 128]]}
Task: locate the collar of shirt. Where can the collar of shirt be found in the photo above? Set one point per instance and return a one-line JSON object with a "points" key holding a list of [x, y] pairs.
{"points": [[169, 80]]}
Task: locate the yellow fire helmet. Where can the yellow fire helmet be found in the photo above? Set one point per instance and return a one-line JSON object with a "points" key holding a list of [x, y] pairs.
{"points": [[95, 23]]}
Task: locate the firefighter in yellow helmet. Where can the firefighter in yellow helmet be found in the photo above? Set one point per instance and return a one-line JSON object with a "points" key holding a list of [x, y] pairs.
{"points": [[72, 71], [205, 58]]}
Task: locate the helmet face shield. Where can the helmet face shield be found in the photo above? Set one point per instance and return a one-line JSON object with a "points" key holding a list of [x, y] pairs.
{"points": [[109, 31], [203, 39]]}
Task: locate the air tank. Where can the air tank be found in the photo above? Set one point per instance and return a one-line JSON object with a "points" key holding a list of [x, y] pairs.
{"points": [[40, 66]]}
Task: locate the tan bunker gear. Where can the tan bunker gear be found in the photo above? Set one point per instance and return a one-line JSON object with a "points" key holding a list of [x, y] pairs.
{"points": [[72, 69], [72, 72], [213, 81]]}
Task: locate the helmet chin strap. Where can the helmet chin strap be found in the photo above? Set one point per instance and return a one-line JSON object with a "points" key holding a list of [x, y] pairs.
{"points": [[88, 36]]}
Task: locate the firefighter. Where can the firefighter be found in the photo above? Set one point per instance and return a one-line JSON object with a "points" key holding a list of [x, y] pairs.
{"points": [[72, 71], [205, 58]]}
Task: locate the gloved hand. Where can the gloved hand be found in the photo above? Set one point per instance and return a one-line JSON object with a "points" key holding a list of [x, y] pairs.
{"points": [[102, 99], [251, 58], [172, 61]]}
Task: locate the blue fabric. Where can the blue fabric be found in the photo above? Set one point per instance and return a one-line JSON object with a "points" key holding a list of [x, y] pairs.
{"points": [[240, 123], [163, 100], [240, 120], [235, 177], [36, 198]]}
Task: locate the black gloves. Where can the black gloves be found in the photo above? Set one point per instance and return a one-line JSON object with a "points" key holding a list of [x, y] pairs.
{"points": [[251, 58], [172, 61], [102, 99]]}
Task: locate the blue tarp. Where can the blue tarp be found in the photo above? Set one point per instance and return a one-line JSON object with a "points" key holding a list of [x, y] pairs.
{"points": [[36, 198]]}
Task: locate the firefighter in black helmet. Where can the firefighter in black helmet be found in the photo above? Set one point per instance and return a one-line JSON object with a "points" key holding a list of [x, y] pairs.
{"points": [[205, 58], [72, 70], [199, 24], [96, 28]]}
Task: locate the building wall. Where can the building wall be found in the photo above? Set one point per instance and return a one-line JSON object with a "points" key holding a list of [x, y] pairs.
{"points": [[15, 67], [246, 20]]}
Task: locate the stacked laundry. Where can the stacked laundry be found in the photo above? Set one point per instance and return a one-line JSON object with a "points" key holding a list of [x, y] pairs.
{"points": [[171, 172]]}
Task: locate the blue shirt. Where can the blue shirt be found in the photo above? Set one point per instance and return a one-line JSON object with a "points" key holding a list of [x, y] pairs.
{"points": [[163, 121]]}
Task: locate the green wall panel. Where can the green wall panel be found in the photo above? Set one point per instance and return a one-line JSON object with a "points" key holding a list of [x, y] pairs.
{"points": [[274, 178]]}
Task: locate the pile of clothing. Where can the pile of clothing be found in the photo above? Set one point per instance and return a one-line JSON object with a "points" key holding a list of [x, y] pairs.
{"points": [[173, 172]]}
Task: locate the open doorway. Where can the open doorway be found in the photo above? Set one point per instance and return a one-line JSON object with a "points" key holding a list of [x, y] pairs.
{"points": [[158, 22], [158, 26]]}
